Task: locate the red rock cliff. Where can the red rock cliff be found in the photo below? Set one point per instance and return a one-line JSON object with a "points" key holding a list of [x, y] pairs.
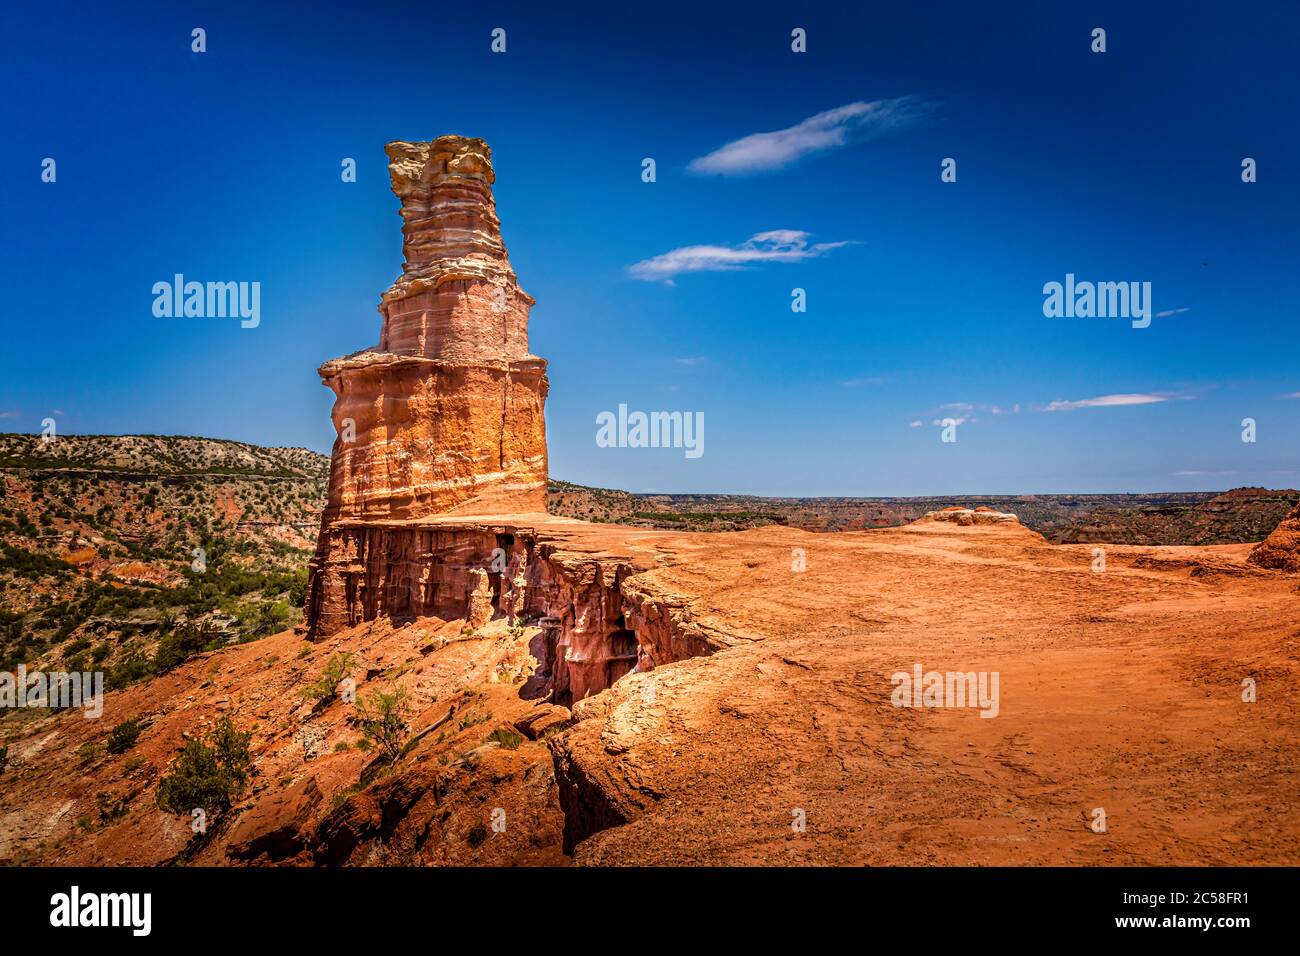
{"points": [[445, 415]]}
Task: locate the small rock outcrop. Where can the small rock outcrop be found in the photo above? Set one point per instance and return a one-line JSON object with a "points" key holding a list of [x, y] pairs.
{"points": [[970, 516], [1281, 549]]}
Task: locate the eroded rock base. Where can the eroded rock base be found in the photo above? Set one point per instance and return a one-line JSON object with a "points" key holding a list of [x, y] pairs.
{"points": [[597, 623]]}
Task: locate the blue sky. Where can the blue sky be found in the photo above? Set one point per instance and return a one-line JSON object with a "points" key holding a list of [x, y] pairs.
{"points": [[924, 298]]}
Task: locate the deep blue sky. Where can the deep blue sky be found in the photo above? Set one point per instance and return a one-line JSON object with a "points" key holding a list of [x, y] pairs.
{"points": [[1120, 166]]}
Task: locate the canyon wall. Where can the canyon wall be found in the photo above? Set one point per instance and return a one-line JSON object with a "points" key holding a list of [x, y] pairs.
{"points": [[598, 619]]}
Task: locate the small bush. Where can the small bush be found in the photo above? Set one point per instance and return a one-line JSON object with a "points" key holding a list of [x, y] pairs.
{"points": [[383, 720], [336, 668], [507, 738], [210, 772], [178, 646], [111, 808], [123, 737]]}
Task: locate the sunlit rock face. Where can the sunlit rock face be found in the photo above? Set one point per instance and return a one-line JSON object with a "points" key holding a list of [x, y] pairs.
{"points": [[1281, 549], [446, 414]]}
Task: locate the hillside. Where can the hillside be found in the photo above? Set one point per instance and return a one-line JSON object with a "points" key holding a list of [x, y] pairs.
{"points": [[1047, 514], [100, 539], [1243, 514]]}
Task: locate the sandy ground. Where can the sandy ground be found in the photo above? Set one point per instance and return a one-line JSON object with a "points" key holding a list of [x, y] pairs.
{"points": [[1119, 691]]}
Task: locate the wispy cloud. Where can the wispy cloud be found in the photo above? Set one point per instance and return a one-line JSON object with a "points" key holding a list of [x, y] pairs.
{"points": [[1108, 401], [1292, 395], [776, 245], [691, 360], [955, 421], [863, 380], [1168, 312], [760, 152], [10, 414]]}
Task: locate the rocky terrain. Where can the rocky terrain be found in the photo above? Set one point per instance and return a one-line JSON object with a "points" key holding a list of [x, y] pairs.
{"points": [[1120, 690], [100, 539], [1243, 514], [1281, 549], [478, 681]]}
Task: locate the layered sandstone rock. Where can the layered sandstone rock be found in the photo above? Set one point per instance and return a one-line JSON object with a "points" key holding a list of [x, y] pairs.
{"points": [[599, 617], [445, 415], [970, 516], [437, 494], [1281, 549]]}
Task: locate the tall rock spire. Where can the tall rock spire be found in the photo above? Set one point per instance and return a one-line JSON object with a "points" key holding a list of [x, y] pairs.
{"points": [[445, 415], [457, 296]]}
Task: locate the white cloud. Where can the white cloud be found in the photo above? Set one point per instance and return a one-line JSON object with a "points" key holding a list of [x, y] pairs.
{"points": [[916, 424], [1108, 401], [862, 380], [691, 360], [955, 421], [776, 245], [1292, 395], [759, 152], [1168, 312]]}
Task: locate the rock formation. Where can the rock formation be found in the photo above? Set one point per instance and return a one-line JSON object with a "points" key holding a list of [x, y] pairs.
{"points": [[969, 516], [1281, 549], [1239, 515], [445, 414], [437, 495]]}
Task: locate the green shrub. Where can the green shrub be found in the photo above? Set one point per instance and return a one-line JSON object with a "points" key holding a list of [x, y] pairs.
{"points": [[111, 808], [179, 645], [383, 720], [134, 668], [507, 738], [123, 737], [210, 772], [336, 668]]}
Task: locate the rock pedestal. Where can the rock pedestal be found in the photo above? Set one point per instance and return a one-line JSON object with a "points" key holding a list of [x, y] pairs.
{"points": [[445, 415]]}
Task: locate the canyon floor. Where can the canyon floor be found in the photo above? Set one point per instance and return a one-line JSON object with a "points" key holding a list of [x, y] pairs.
{"points": [[1119, 690]]}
